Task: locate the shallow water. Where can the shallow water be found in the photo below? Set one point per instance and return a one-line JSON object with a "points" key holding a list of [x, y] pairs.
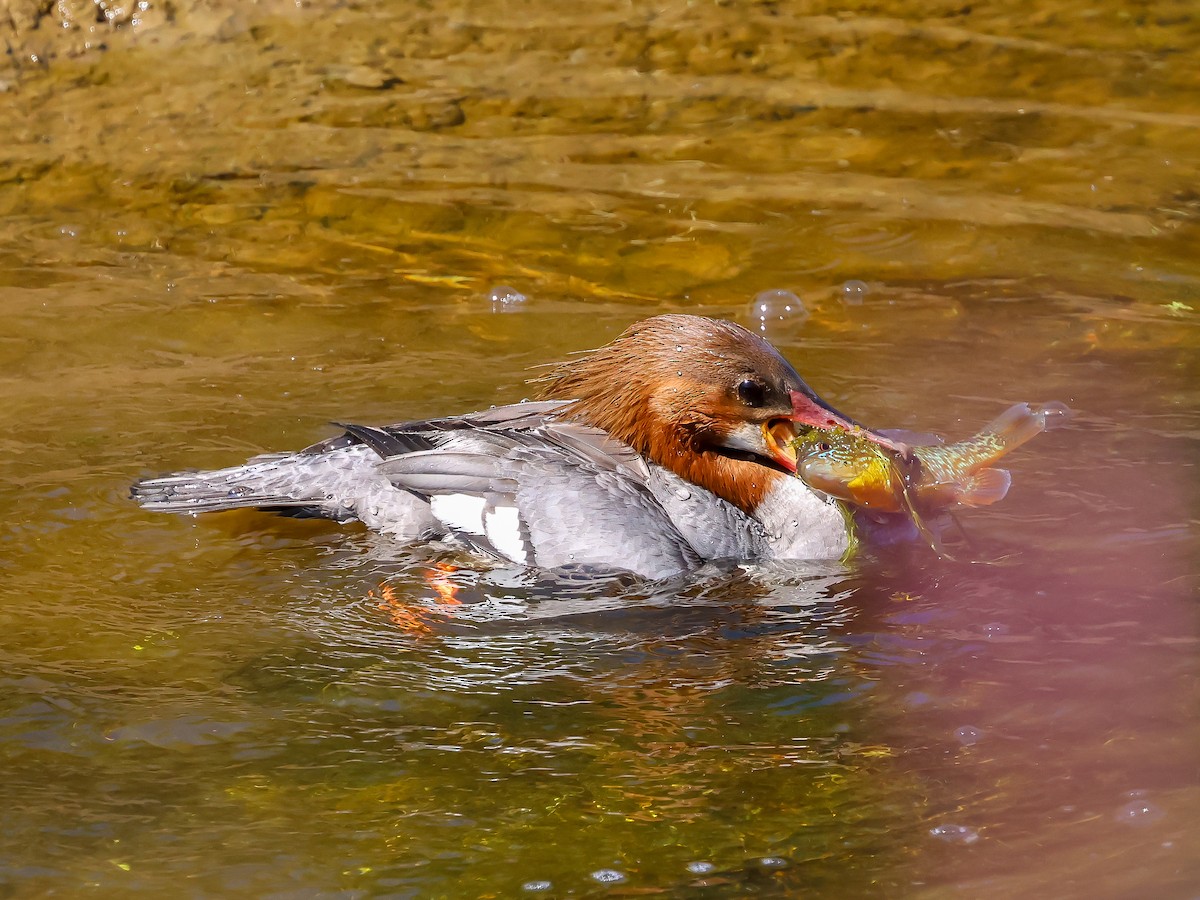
{"points": [[212, 247]]}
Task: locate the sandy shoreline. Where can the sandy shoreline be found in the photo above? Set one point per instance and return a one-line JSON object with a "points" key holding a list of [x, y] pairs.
{"points": [[37, 32]]}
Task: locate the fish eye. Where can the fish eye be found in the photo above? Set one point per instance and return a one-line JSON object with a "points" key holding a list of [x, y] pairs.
{"points": [[752, 393], [822, 447]]}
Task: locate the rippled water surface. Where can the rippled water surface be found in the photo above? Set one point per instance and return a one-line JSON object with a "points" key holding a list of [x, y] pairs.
{"points": [[214, 243]]}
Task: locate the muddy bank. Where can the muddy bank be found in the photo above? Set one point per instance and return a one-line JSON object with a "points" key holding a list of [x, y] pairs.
{"points": [[36, 32]]}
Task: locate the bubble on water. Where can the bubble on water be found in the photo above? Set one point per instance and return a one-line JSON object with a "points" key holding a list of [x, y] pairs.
{"points": [[995, 629], [853, 292], [608, 876], [773, 862], [69, 231], [968, 735], [506, 299], [955, 834], [535, 886], [700, 867], [772, 308], [1140, 813]]}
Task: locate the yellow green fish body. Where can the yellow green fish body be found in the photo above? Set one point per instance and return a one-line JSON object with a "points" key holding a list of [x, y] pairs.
{"points": [[853, 468]]}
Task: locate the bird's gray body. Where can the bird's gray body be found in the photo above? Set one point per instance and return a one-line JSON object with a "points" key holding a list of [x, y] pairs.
{"points": [[518, 483]]}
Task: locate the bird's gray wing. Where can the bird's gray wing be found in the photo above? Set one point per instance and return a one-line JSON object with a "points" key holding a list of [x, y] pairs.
{"points": [[555, 496], [422, 434]]}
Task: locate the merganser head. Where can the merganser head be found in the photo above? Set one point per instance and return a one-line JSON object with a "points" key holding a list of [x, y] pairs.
{"points": [[705, 398]]}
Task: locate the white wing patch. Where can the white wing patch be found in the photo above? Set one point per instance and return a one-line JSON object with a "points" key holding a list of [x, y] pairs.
{"points": [[463, 512], [500, 527], [504, 531]]}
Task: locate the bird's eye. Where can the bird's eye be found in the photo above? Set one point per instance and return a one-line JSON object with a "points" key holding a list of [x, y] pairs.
{"points": [[751, 392]]}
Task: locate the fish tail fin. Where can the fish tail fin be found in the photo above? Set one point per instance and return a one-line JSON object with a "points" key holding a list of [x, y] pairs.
{"points": [[1022, 422], [985, 487]]}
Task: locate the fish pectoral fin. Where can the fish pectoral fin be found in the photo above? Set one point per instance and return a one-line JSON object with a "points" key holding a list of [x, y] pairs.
{"points": [[985, 487]]}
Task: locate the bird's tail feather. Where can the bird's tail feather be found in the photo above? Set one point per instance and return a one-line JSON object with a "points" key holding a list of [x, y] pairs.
{"points": [[274, 481]]}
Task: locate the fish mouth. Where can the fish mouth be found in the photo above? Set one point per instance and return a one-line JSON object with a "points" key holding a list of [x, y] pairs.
{"points": [[779, 435], [809, 410]]}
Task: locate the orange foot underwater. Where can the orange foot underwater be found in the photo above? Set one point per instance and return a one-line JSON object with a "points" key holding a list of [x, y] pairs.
{"points": [[415, 617]]}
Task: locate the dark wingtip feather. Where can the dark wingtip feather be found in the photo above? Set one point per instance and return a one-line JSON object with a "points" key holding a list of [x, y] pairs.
{"points": [[385, 442]]}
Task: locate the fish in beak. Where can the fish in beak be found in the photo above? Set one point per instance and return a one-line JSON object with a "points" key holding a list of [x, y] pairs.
{"points": [[810, 411]]}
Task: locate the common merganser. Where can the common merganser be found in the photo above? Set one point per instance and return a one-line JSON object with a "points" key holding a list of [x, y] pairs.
{"points": [[668, 447]]}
